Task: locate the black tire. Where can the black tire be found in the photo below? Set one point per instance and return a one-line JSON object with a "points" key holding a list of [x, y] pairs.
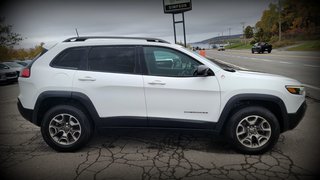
{"points": [[234, 121], [269, 51], [252, 51], [86, 128]]}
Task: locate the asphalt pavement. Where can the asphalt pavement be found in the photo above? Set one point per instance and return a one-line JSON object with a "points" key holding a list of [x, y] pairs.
{"points": [[149, 154], [303, 66]]}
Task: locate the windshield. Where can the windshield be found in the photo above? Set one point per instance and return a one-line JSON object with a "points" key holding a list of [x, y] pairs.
{"points": [[216, 63], [2, 66], [203, 58], [13, 64]]}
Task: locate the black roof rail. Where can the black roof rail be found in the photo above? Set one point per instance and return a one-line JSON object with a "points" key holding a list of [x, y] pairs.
{"points": [[84, 38]]}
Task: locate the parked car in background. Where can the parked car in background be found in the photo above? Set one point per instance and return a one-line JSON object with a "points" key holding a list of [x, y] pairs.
{"points": [[221, 48], [7, 74], [15, 66], [24, 62], [261, 47]]}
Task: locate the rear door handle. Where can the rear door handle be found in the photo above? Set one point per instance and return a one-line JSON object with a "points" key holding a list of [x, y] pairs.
{"points": [[87, 78], [157, 82]]}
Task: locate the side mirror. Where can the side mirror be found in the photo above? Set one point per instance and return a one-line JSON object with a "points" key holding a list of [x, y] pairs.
{"points": [[203, 70]]}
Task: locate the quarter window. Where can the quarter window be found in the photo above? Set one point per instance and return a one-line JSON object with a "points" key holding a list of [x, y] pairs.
{"points": [[70, 58], [112, 59], [168, 62]]}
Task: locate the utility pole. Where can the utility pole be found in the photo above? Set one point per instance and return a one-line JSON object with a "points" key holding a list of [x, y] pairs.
{"points": [[279, 20], [229, 31], [243, 23]]}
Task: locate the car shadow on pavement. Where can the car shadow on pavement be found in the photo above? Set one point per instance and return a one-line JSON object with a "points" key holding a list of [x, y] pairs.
{"points": [[162, 139]]}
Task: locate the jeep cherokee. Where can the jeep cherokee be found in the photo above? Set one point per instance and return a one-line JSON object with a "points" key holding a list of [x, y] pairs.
{"points": [[88, 83]]}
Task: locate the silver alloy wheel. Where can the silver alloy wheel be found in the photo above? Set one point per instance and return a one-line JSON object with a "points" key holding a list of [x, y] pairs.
{"points": [[64, 129], [253, 131]]}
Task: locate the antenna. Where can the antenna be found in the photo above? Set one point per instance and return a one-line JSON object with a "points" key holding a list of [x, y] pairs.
{"points": [[77, 32]]}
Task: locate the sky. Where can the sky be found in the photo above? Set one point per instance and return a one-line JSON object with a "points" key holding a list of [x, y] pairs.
{"points": [[53, 21]]}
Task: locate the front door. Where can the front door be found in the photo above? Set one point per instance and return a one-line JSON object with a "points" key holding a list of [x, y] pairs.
{"points": [[174, 96]]}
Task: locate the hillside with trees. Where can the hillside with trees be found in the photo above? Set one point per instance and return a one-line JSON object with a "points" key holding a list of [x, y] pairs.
{"points": [[288, 22], [296, 20]]}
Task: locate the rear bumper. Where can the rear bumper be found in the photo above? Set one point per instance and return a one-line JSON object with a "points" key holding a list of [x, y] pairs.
{"points": [[293, 119], [25, 113]]}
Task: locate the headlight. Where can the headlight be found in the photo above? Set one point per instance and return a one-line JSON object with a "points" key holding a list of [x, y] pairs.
{"points": [[299, 90]]}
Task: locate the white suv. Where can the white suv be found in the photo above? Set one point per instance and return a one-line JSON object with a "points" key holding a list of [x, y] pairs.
{"points": [[88, 83]]}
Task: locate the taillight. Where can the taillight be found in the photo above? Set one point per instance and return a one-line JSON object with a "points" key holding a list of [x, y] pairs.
{"points": [[25, 73]]}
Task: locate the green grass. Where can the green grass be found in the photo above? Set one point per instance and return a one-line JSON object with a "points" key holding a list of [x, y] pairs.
{"points": [[307, 46], [239, 46], [283, 43]]}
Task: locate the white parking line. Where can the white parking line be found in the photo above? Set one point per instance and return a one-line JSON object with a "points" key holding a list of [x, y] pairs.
{"points": [[285, 62]]}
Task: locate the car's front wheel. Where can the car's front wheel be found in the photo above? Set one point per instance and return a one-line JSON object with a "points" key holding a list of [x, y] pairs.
{"points": [[253, 130], [66, 128]]}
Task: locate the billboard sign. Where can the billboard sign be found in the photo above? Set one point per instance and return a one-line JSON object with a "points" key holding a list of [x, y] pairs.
{"points": [[176, 6]]}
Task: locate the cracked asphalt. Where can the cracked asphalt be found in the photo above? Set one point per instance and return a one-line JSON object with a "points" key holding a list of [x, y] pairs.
{"points": [[150, 154]]}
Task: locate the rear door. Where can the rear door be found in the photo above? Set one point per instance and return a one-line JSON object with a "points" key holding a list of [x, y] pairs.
{"points": [[113, 82]]}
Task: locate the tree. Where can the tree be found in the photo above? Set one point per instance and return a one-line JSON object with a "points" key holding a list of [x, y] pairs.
{"points": [[268, 24], [7, 37], [248, 32], [259, 35]]}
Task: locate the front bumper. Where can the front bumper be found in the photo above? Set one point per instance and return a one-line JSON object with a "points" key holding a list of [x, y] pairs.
{"points": [[293, 119]]}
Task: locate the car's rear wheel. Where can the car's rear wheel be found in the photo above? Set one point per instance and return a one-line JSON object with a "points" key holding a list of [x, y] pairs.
{"points": [[66, 128], [269, 51], [252, 51], [253, 130]]}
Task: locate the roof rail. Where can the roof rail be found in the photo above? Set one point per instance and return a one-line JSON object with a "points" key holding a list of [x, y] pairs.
{"points": [[84, 38]]}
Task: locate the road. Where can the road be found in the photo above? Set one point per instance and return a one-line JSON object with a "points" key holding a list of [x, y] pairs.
{"points": [[148, 154], [303, 66]]}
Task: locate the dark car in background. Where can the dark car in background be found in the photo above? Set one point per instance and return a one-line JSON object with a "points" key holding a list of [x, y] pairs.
{"points": [[261, 47]]}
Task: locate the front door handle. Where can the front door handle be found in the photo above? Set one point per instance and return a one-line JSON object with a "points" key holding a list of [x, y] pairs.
{"points": [[87, 78], [157, 82]]}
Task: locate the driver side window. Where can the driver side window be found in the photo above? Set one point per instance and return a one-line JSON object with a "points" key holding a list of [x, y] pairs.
{"points": [[168, 62]]}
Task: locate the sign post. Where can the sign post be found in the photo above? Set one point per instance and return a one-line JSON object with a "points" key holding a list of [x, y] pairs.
{"points": [[175, 7]]}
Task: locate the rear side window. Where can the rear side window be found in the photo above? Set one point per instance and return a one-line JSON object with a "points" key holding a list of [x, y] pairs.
{"points": [[114, 59], [70, 58]]}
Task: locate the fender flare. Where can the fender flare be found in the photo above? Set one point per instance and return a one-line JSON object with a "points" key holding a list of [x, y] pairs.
{"points": [[83, 99], [250, 97]]}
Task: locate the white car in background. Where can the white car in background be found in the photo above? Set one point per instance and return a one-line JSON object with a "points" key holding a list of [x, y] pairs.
{"points": [[221, 48], [7, 74], [14, 66]]}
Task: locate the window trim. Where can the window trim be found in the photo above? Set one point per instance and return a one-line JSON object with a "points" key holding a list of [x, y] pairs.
{"points": [[144, 67], [80, 65], [136, 57]]}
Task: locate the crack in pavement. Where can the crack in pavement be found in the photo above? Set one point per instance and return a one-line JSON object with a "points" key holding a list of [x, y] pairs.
{"points": [[170, 157]]}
